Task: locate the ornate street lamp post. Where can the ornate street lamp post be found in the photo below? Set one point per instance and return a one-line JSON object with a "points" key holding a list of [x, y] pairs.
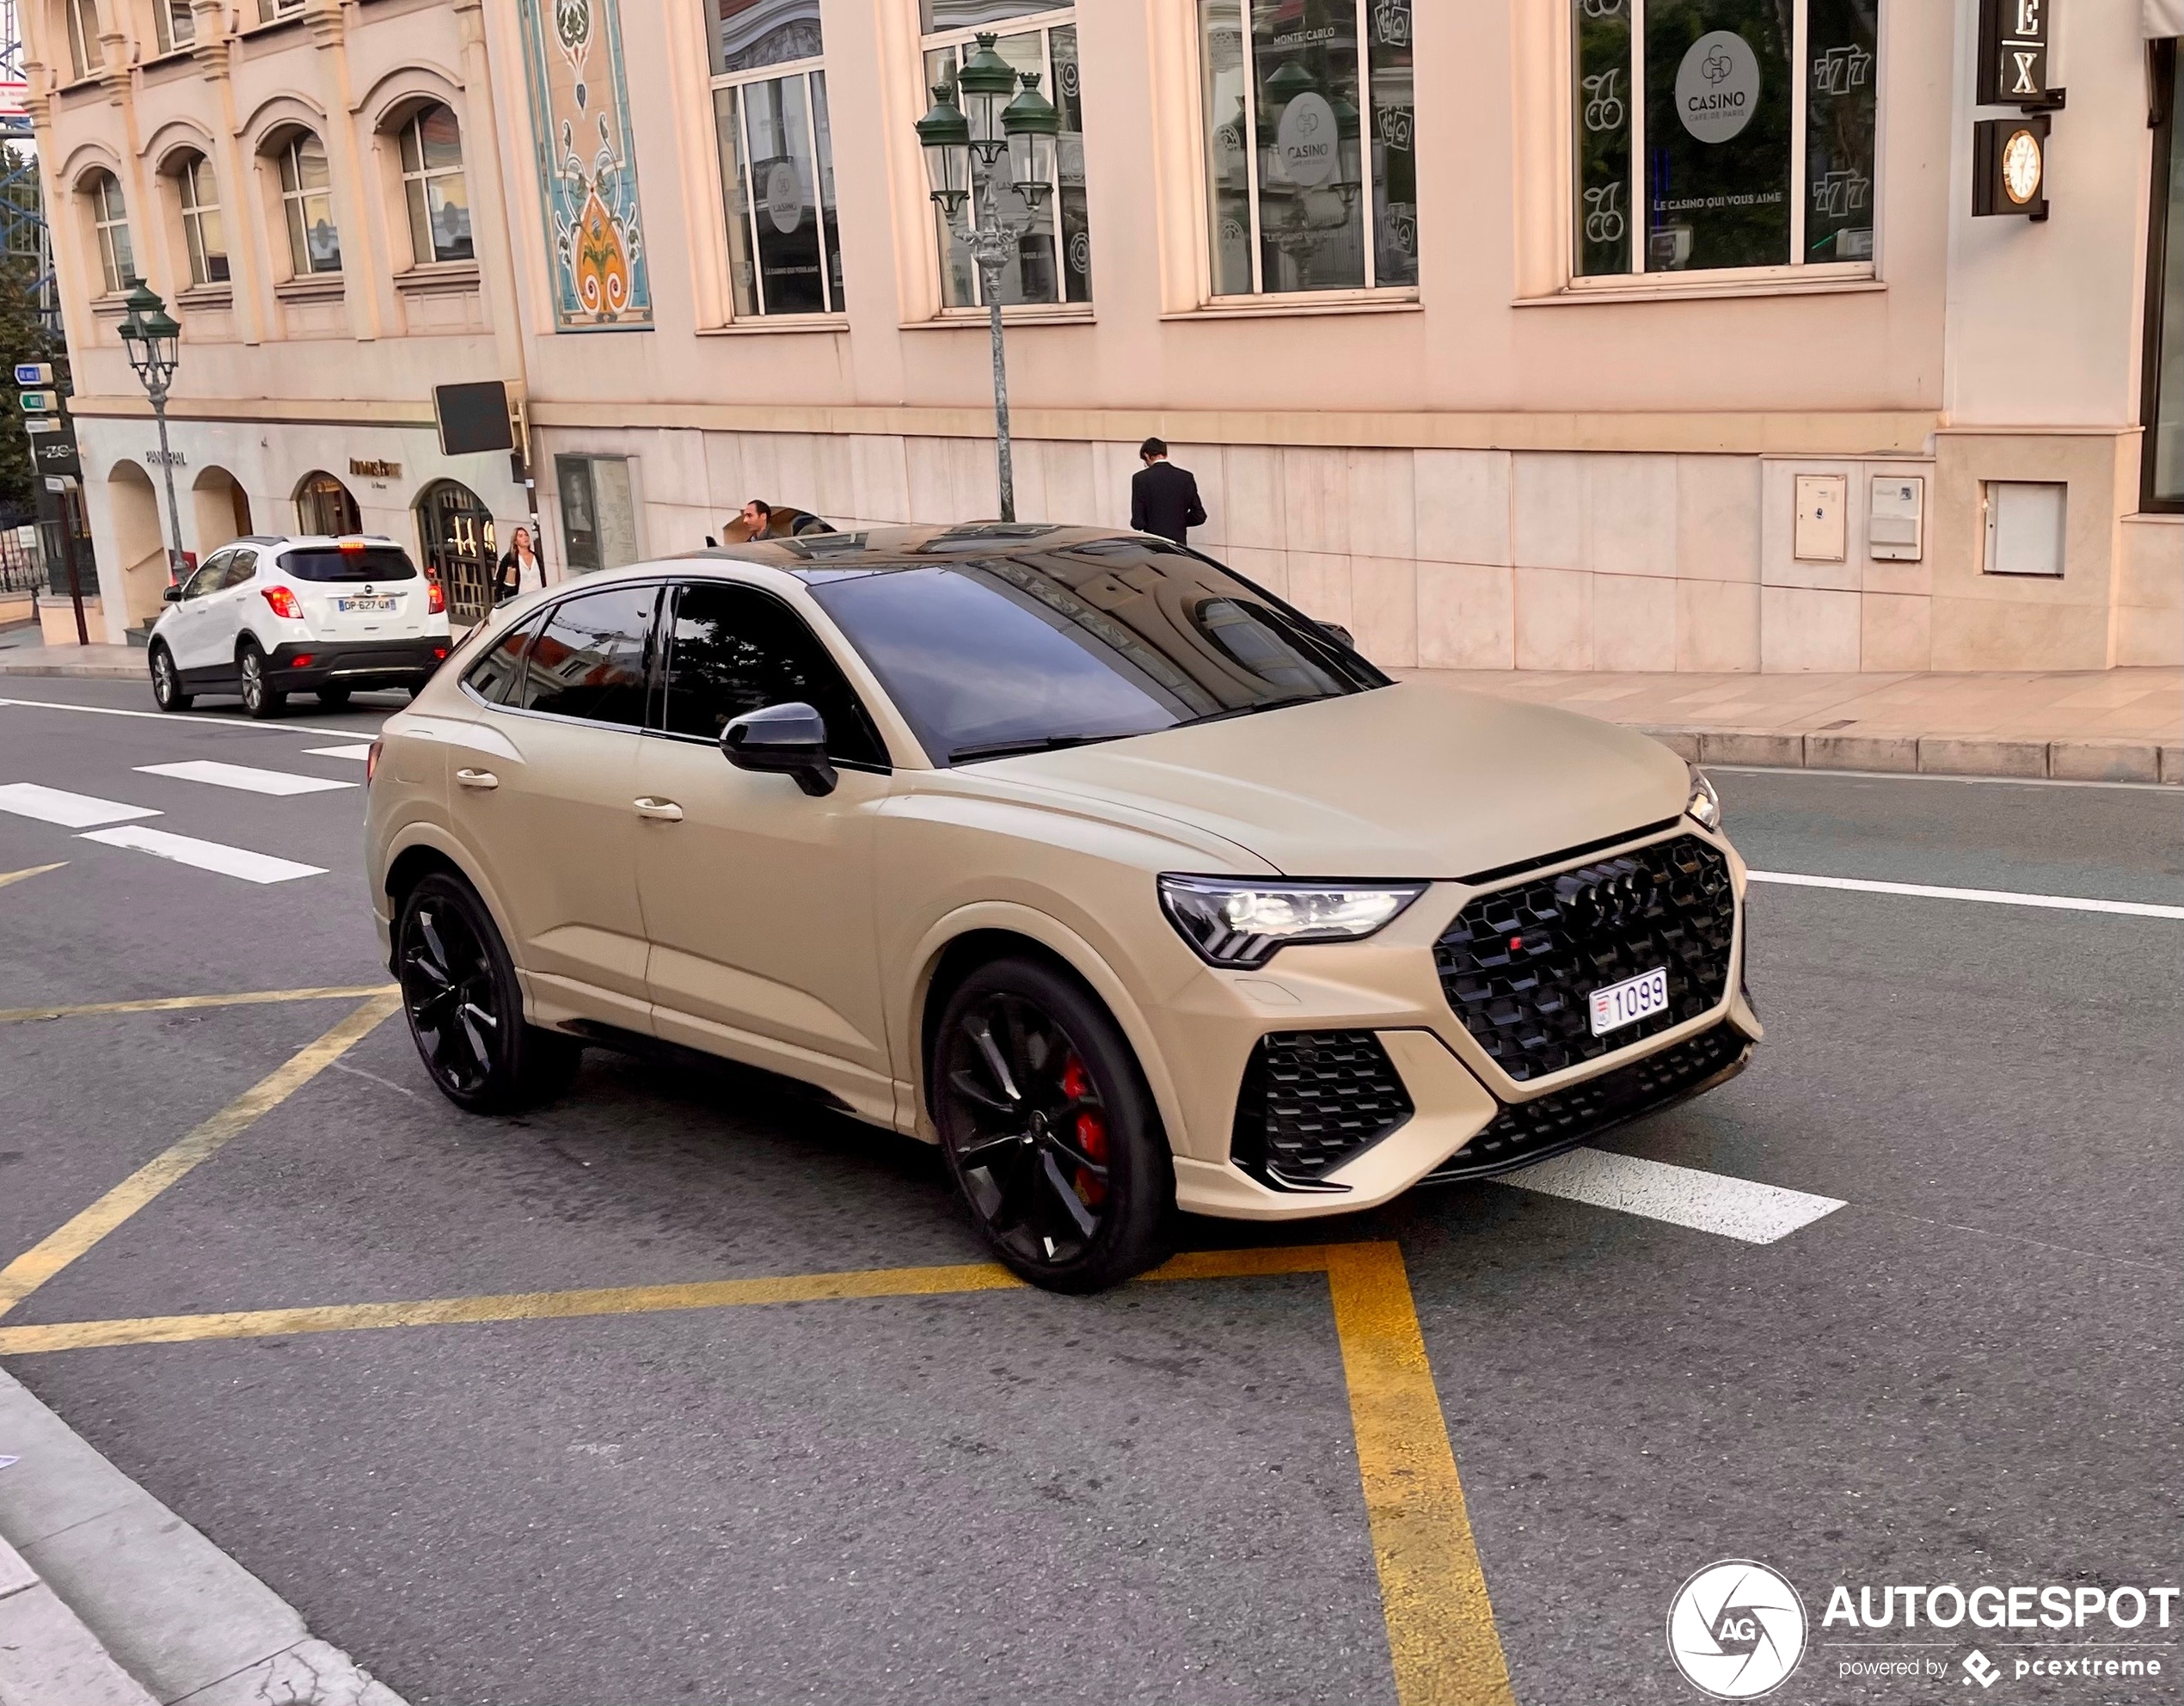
{"points": [[1024, 130], [153, 341]]}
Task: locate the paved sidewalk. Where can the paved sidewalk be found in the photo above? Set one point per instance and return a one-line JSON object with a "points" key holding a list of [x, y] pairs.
{"points": [[109, 1598], [30, 658], [2121, 725]]}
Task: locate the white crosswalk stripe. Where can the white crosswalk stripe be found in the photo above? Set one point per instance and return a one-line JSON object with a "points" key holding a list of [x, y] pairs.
{"points": [[1991, 896], [70, 811], [360, 752], [206, 855], [1743, 1209], [246, 777]]}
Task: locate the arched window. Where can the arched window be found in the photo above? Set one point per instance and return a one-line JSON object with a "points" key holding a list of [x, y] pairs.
{"points": [[307, 203], [203, 233], [432, 182], [110, 221], [85, 56], [324, 504]]}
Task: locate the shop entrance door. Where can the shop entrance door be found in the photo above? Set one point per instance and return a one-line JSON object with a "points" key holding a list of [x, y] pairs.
{"points": [[461, 552]]}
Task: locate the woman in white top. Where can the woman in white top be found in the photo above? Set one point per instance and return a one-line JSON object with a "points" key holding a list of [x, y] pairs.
{"points": [[520, 570]]}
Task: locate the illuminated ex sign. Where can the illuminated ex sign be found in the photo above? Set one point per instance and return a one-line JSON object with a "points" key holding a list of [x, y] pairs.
{"points": [[2014, 39]]}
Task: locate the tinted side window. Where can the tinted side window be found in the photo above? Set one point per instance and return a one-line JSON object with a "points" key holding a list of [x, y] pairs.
{"points": [[495, 674], [210, 575], [243, 567], [589, 658], [735, 650]]}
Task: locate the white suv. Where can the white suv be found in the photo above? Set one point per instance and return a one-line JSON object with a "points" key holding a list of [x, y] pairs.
{"points": [[264, 617]]}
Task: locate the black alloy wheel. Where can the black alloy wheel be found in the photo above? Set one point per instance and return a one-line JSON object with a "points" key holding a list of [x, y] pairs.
{"points": [[260, 698], [1049, 1130], [465, 1008], [167, 682]]}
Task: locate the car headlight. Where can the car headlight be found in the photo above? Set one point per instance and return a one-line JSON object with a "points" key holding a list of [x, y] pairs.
{"points": [[1704, 806], [1235, 922]]}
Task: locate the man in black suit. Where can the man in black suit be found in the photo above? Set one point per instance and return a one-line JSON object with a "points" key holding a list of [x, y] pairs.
{"points": [[1163, 498]]}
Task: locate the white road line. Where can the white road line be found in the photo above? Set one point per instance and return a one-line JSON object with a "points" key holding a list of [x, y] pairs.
{"points": [[360, 752], [1682, 1196], [243, 776], [231, 726], [70, 811], [1998, 897], [206, 856]]}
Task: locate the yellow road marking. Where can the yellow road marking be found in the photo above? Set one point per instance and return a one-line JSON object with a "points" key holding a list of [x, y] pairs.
{"points": [[1441, 1634], [169, 1004], [39, 1263], [7, 877]]}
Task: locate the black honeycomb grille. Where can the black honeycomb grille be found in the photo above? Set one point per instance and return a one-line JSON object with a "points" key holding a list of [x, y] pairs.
{"points": [[1527, 1131], [1519, 965], [1313, 1098]]}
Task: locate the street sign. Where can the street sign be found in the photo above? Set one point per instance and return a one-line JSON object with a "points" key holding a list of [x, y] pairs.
{"points": [[42, 423], [33, 373], [41, 402]]}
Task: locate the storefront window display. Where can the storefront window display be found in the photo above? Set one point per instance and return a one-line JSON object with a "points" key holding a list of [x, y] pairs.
{"points": [[777, 157], [325, 506], [598, 511], [1713, 134], [1053, 262], [1312, 147]]}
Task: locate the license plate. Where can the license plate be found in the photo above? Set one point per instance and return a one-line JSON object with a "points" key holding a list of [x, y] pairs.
{"points": [[372, 606], [1630, 1001]]}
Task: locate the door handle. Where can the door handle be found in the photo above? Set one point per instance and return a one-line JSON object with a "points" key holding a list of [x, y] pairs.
{"points": [[659, 811], [483, 781]]}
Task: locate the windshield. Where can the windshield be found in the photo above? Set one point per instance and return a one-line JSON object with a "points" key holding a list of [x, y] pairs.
{"points": [[373, 562], [1056, 648]]}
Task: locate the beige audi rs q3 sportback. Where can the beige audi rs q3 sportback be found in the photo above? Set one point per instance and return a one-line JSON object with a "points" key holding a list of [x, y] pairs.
{"points": [[1125, 883]]}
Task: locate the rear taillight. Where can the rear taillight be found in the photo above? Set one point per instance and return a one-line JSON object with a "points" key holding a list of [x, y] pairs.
{"points": [[301, 661], [283, 601], [371, 759], [435, 599]]}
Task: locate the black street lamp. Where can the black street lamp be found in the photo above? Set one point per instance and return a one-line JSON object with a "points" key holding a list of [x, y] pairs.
{"points": [[1025, 129], [154, 342]]}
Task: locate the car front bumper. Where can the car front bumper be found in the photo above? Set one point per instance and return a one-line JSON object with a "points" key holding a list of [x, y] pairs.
{"points": [[1352, 1058], [364, 664]]}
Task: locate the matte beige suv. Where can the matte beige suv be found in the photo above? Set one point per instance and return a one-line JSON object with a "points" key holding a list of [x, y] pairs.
{"points": [[1128, 885]]}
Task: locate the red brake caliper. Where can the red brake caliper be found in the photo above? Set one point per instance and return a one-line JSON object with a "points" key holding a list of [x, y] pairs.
{"points": [[1091, 1132]]}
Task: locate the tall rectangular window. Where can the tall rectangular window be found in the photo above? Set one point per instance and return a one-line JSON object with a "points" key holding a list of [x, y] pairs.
{"points": [[1053, 261], [1309, 112], [307, 201], [110, 221], [777, 157], [1711, 134], [2161, 478], [202, 231], [433, 185], [174, 22]]}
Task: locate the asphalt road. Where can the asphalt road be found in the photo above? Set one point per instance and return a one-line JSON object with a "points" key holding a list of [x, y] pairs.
{"points": [[1969, 1373]]}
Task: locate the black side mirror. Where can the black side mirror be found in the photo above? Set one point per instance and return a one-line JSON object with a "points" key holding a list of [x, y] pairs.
{"points": [[170, 594], [1336, 631], [782, 740]]}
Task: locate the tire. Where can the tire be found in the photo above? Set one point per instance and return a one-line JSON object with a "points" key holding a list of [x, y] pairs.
{"points": [[167, 682], [260, 698], [334, 697], [1049, 1131], [465, 1007]]}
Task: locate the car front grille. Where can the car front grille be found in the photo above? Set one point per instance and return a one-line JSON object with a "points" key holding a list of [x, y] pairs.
{"points": [[1527, 1131], [1519, 965], [1310, 1101]]}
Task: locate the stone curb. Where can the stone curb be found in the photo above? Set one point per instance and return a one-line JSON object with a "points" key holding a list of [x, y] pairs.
{"points": [[163, 1608], [1928, 754]]}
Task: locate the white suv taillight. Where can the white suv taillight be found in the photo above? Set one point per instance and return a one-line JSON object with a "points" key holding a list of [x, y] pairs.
{"points": [[435, 599], [283, 601]]}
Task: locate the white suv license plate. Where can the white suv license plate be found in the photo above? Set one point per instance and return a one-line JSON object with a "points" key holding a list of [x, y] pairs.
{"points": [[1630, 1001], [374, 606]]}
